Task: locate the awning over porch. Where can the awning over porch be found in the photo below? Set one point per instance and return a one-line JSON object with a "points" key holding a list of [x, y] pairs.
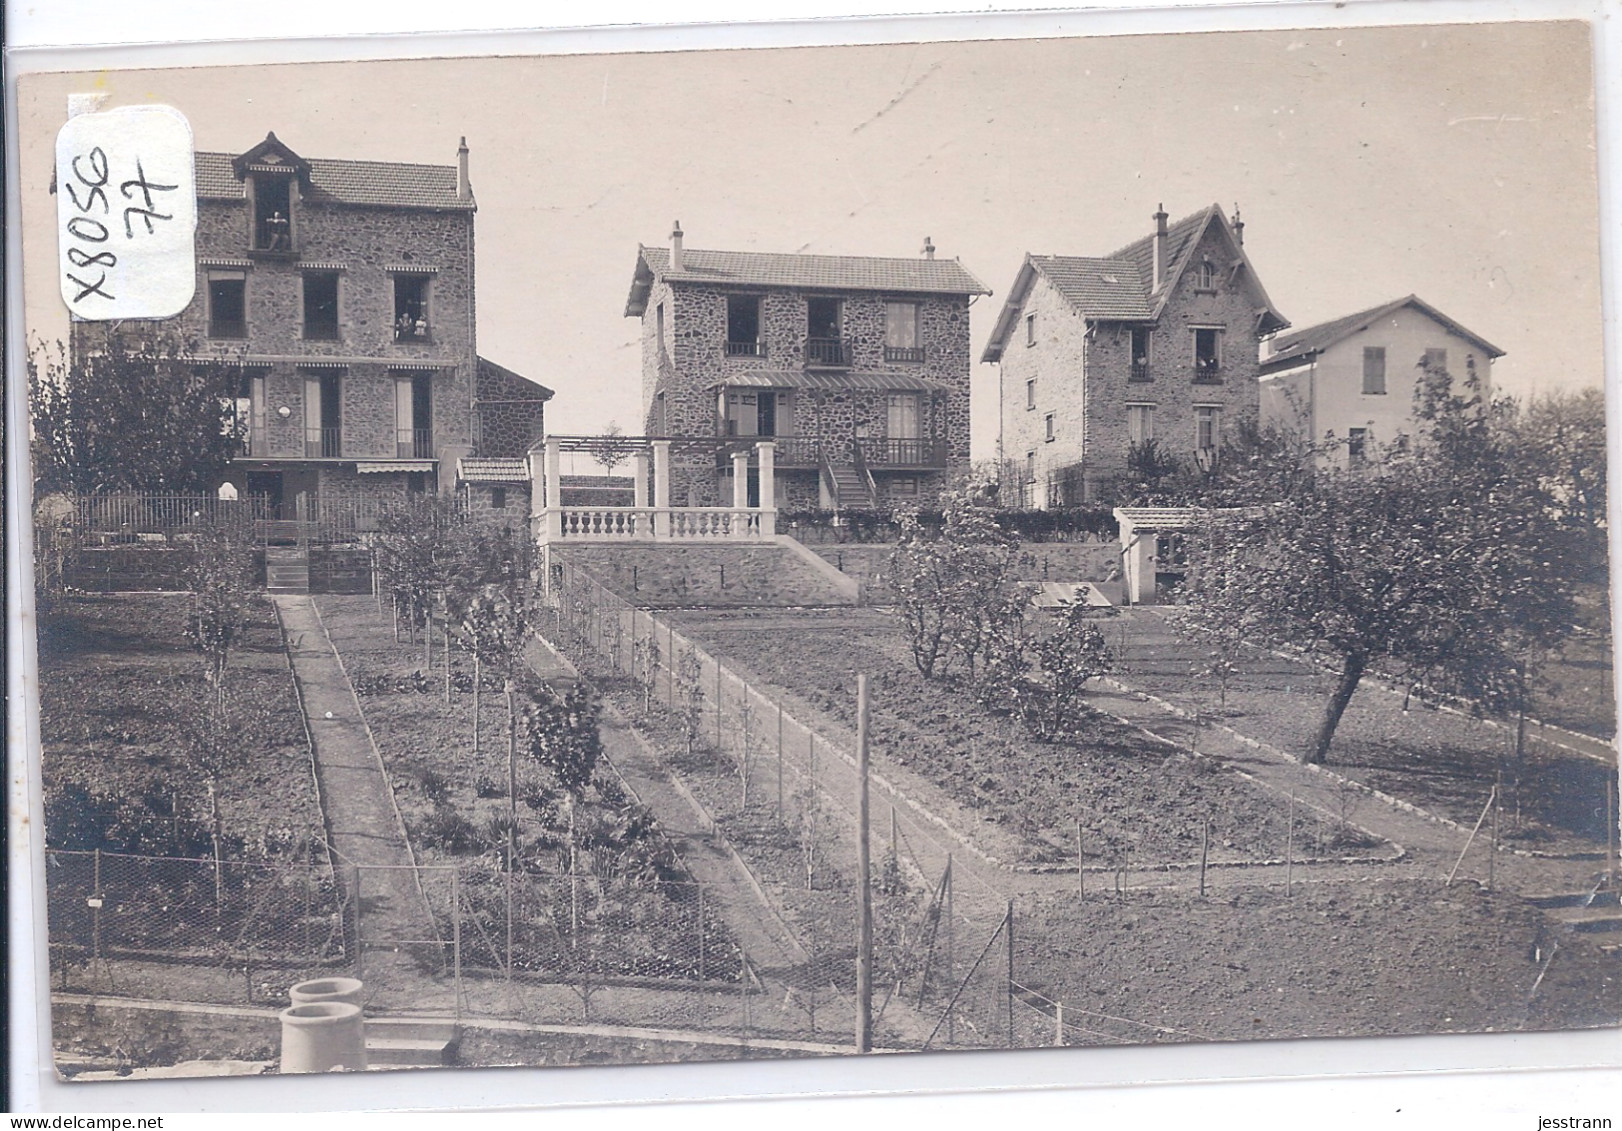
{"points": [[366, 466], [830, 382], [492, 469]]}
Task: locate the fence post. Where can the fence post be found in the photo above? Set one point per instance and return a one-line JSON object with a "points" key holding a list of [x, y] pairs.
{"points": [[1009, 928], [717, 705], [864, 888], [1081, 863], [1058, 1024], [456, 940], [1205, 850], [1289, 849], [701, 950], [780, 763], [951, 956], [360, 947]]}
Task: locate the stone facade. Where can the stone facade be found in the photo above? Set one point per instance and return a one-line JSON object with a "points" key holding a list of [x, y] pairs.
{"points": [[509, 412], [686, 365], [1069, 387], [366, 225]]}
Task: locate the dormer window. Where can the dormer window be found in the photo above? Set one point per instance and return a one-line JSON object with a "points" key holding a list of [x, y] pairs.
{"points": [[272, 212], [272, 173]]}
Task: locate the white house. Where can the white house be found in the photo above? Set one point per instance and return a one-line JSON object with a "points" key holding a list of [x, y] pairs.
{"points": [[1354, 378]]}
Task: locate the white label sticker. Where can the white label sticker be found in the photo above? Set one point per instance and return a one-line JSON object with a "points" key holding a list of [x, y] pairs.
{"points": [[126, 209]]}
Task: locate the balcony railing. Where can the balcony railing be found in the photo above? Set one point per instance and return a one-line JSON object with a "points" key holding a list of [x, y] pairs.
{"points": [[227, 328], [789, 451], [1140, 372], [746, 349], [1207, 372], [414, 443], [903, 353], [323, 443], [898, 452], [412, 331], [827, 351]]}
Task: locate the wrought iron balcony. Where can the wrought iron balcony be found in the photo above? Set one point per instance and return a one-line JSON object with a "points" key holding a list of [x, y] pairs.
{"points": [[1140, 372], [898, 452], [323, 443], [832, 352], [1207, 371], [903, 353], [414, 443], [746, 349]]}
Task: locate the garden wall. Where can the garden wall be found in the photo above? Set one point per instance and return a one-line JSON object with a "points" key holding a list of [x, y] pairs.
{"points": [[1035, 561], [340, 571], [126, 569], [708, 576]]}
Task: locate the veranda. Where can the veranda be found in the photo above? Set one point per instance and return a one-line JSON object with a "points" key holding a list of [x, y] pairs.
{"points": [[652, 519]]}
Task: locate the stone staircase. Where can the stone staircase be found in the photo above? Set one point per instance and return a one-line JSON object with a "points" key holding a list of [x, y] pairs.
{"points": [[410, 1042], [851, 487], [287, 569]]}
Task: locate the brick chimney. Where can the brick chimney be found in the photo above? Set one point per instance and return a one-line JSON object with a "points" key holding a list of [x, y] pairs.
{"points": [[929, 248], [464, 190], [1238, 227], [675, 248], [1160, 245]]}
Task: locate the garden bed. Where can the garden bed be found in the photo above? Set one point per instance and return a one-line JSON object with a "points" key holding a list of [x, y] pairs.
{"points": [[1133, 794], [120, 692], [632, 893], [1443, 761], [1337, 960]]}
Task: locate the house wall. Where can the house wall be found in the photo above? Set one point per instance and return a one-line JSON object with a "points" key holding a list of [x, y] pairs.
{"points": [[1057, 362], [693, 360], [1085, 381], [1172, 389], [1333, 386], [364, 241]]}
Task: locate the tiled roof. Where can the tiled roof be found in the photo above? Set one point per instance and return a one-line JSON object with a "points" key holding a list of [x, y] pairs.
{"points": [[491, 469], [1313, 340], [1099, 288], [831, 382], [1120, 286], [386, 184], [809, 272]]}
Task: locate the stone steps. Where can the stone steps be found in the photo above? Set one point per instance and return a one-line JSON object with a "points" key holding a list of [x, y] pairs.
{"points": [[410, 1042], [287, 570]]}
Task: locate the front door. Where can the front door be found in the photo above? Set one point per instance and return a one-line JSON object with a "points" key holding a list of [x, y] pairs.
{"points": [[266, 485]]}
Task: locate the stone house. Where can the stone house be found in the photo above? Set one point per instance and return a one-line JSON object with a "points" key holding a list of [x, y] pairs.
{"points": [[1157, 341], [345, 291], [1351, 381], [855, 367]]}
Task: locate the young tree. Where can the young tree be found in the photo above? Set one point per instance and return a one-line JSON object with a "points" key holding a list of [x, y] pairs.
{"points": [[1441, 565], [131, 410], [563, 737], [220, 576], [421, 547], [1070, 656]]}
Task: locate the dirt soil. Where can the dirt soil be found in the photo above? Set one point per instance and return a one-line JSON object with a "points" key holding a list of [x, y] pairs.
{"points": [[1336, 960], [1443, 761], [117, 676], [1132, 793]]}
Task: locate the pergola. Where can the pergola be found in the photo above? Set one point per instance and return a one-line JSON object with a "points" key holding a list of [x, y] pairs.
{"points": [[655, 519]]}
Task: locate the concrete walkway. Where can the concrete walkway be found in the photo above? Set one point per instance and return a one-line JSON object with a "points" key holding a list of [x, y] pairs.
{"points": [[357, 804]]}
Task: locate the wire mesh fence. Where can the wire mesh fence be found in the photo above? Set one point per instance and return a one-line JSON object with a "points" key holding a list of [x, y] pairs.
{"points": [[198, 929]]}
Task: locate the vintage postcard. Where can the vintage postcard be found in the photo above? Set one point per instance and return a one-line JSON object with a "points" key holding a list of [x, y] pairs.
{"points": [[711, 555]]}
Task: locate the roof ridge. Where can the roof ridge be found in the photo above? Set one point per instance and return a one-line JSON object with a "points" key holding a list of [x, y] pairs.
{"points": [[336, 160]]}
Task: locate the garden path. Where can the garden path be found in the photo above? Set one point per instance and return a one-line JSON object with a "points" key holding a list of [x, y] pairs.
{"points": [[1433, 845], [357, 802]]}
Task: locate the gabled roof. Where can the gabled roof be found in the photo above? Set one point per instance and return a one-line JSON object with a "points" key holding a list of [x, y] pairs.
{"points": [[1120, 287], [378, 184], [498, 383], [805, 272], [1304, 345]]}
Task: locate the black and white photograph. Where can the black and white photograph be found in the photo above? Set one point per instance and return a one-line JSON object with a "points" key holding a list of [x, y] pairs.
{"points": [[800, 552]]}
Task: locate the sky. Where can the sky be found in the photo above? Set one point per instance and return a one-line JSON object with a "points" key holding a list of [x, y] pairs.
{"points": [[1455, 162]]}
